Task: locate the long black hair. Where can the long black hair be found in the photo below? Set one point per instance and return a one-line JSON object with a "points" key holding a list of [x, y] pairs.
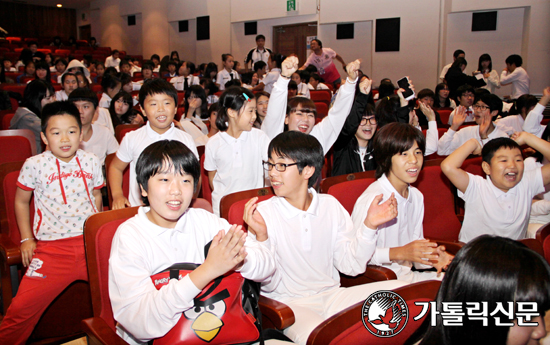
{"points": [[233, 98], [34, 93]]}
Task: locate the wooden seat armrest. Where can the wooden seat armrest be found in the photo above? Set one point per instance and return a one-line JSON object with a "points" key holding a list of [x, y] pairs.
{"points": [[278, 314], [9, 251], [99, 333], [372, 274], [450, 247]]}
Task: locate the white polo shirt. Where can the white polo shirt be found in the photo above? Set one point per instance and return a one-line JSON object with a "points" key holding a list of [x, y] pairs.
{"points": [[223, 77], [102, 143], [237, 162], [492, 211], [136, 141], [404, 229], [141, 248], [311, 247], [61, 95], [179, 82], [452, 140], [104, 119], [270, 79], [520, 81]]}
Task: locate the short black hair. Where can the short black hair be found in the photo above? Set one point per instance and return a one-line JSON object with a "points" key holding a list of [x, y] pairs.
{"points": [[260, 37], [84, 94], [458, 52], [109, 81], [155, 56], [462, 89], [65, 75], [302, 148], [493, 102], [190, 66], [258, 65], [392, 139], [114, 52], [148, 65], [172, 63], [496, 144], [157, 86], [164, 156], [426, 93], [292, 85], [59, 108], [318, 42], [514, 59], [124, 62], [459, 62], [525, 101]]}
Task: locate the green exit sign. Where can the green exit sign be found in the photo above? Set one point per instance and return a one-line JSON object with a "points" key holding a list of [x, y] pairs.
{"points": [[290, 5]]}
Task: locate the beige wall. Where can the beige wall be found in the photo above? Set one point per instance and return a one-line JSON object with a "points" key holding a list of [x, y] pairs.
{"points": [[428, 31]]}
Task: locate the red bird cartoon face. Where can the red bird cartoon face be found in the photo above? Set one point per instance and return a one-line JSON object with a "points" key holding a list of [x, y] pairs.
{"points": [[207, 312]]}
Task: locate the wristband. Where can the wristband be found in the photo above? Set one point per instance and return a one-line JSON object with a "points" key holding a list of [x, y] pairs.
{"points": [[26, 239], [284, 76]]}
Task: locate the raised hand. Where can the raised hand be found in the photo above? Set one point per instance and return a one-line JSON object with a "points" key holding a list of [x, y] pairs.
{"points": [[381, 213], [255, 221], [352, 68], [427, 111], [227, 251], [458, 118], [365, 86], [484, 126], [289, 66]]}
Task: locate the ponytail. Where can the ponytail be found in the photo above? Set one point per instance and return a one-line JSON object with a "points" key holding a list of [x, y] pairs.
{"points": [[234, 98]]}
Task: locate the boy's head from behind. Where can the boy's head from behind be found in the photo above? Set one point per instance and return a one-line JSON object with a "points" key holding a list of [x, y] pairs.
{"points": [[61, 129], [168, 174], [393, 141], [503, 162], [294, 147]]}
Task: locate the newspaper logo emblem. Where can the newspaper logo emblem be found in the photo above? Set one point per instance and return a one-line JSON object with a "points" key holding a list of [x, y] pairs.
{"points": [[385, 314]]}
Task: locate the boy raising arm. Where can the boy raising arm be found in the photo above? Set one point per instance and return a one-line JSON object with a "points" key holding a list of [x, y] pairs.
{"points": [[500, 204]]}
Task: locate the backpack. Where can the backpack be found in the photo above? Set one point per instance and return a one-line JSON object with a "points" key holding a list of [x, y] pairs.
{"points": [[226, 311]]}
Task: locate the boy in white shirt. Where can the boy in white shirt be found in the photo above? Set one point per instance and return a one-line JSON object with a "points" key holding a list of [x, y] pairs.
{"points": [[485, 110], [113, 60], [95, 138], [186, 77], [312, 236], [465, 97], [515, 74], [169, 232], [499, 204], [69, 83], [315, 83], [158, 100], [399, 156], [526, 104]]}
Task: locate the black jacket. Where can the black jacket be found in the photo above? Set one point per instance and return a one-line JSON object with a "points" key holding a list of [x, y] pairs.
{"points": [[346, 159]]}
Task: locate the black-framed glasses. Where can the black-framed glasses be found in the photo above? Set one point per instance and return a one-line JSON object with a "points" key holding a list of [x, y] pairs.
{"points": [[482, 107], [371, 120], [280, 167]]}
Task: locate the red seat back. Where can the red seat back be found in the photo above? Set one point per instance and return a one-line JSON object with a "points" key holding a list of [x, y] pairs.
{"points": [[99, 230], [14, 149], [323, 96], [322, 109], [6, 120], [348, 192], [232, 205], [440, 221]]}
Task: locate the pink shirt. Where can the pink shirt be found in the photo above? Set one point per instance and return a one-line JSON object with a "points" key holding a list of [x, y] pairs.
{"points": [[324, 64]]}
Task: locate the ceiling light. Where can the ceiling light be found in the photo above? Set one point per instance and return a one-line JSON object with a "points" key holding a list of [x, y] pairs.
{"points": [[59, 5]]}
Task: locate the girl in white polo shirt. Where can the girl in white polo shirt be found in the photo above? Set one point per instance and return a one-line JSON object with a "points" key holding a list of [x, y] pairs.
{"points": [[233, 157], [227, 73]]}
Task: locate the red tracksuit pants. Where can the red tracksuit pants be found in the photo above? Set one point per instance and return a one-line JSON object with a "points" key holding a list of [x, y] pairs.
{"points": [[55, 265]]}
